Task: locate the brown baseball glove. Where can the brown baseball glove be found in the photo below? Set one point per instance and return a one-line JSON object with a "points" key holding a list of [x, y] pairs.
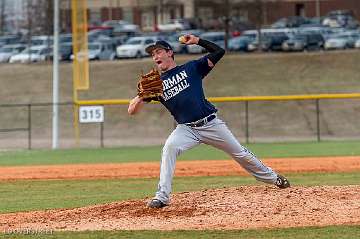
{"points": [[150, 86]]}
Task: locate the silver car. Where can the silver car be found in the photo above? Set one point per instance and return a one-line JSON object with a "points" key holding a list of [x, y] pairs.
{"points": [[9, 50], [357, 44], [98, 51], [32, 54], [294, 43], [341, 41], [135, 47]]}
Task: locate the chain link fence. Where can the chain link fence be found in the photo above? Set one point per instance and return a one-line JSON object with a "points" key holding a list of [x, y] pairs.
{"points": [[29, 126]]}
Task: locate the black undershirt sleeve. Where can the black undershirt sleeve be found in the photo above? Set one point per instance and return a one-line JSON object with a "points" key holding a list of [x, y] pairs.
{"points": [[216, 52]]}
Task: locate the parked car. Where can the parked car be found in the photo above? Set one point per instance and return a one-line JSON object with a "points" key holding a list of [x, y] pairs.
{"points": [[293, 21], [296, 42], [107, 51], [195, 32], [32, 54], [314, 41], [135, 47], [127, 31], [65, 51], [341, 41], [253, 36], [273, 41], [341, 18], [9, 40], [95, 34], [174, 25], [335, 42], [99, 51], [115, 23], [42, 41], [65, 38], [216, 37], [239, 43], [357, 44], [353, 37], [9, 50], [325, 32]]}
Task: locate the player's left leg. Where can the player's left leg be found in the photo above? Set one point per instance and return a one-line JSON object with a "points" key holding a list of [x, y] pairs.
{"points": [[217, 134], [180, 140]]}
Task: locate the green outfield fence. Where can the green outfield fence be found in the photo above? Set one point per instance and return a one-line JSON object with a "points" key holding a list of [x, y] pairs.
{"points": [[252, 114]]}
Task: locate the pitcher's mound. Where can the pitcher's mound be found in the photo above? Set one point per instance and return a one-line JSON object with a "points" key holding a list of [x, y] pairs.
{"points": [[228, 208]]}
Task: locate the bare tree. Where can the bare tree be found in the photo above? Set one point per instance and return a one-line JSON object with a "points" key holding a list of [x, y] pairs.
{"points": [[29, 15], [226, 23], [2, 16], [259, 11], [48, 23]]}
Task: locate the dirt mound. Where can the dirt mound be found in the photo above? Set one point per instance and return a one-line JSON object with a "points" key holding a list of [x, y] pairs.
{"points": [[228, 208]]}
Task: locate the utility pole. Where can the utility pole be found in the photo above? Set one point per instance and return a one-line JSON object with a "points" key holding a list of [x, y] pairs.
{"points": [[55, 115], [29, 15], [2, 16], [161, 6], [318, 12], [227, 21], [259, 6]]}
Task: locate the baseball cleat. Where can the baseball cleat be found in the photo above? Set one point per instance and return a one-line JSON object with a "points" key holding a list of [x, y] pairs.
{"points": [[282, 182], [156, 203]]}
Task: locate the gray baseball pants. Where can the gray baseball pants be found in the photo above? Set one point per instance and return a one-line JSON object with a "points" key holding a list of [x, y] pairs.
{"points": [[214, 133]]}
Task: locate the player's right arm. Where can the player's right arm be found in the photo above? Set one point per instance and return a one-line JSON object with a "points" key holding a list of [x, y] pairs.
{"points": [[135, 105]]}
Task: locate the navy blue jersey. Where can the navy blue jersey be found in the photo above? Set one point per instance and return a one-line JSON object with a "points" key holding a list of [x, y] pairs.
{"points": [[183, 92]]}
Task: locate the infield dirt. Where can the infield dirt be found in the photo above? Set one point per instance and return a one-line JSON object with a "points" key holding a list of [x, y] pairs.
{"points": [[230, 208], [242, 207]]}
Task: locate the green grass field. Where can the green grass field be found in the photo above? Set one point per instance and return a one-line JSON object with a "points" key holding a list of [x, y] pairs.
{"points": [[147, 154], [28, 195], [331, 232]]}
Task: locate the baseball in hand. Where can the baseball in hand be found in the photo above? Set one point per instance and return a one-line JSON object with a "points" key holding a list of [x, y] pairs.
{"points": [[183, 39]]}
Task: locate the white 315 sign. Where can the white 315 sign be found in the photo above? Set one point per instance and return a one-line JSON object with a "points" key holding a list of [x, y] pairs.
{"points": [[91, 114]]}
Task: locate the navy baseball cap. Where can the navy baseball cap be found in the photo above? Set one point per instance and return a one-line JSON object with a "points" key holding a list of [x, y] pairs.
{"points": [[158, 44]]}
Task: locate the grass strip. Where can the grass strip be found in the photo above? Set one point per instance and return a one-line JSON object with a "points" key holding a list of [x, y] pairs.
{"points": [[152, 153], [329, 232]]}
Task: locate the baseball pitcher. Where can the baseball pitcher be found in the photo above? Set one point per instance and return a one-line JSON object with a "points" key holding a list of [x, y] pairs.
{"points": [[182, 94]]}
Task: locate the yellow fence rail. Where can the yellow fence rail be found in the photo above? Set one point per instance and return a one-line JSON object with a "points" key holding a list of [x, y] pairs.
{"points": [[246, 100], [236, 98]]}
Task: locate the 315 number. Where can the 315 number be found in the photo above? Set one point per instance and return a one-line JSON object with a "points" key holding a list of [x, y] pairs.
{"points": [[91, 114]]}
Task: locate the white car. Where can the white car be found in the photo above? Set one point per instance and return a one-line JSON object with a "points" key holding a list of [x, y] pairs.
{"points": [[340, 41], [114, 23], [335, 43], [98, 51], [357, 44], [135, 47], [42, 41], [32, 54], [174, 25], [10, 50]]}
